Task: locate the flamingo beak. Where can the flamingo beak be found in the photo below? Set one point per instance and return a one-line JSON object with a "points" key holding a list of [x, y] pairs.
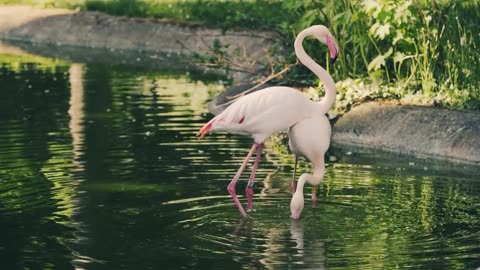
{"points": [[296, 205], [333, 48]]}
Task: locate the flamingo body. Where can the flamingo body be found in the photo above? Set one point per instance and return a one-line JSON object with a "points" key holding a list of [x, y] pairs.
{"points": [[262, 113], [310, 138]]}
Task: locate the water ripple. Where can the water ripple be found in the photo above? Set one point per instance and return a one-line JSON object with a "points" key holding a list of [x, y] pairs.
{"points": [[105, 168]]}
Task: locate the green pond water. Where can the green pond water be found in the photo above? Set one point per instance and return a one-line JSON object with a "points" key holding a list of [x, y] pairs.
{"points": [[100, 168]]}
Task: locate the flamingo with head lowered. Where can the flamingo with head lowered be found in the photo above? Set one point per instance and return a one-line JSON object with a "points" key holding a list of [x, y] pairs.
{"points": [[274, 109], [309, 138]]}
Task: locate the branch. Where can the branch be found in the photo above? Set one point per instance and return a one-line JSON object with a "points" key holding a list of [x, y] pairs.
{"points": [[262, 82]]}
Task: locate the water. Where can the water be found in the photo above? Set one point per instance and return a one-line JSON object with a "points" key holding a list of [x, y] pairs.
{"points": [[100, 168]]}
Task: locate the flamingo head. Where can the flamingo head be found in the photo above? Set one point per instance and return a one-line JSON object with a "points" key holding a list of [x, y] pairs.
{"points": [[322, 33], [297, 203]]}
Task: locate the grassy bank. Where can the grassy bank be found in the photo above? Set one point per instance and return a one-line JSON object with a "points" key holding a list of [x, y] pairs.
{"points": [[414, 50]]}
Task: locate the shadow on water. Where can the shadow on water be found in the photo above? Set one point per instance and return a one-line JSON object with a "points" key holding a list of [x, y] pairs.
{"points": [[100, 168]]}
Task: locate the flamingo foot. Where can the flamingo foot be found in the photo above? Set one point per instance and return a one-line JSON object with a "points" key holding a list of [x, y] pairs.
{"points": [[231, 190], [249, 191]]}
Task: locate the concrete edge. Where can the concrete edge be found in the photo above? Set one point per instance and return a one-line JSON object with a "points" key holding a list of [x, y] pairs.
{"points": [[414, 130]]}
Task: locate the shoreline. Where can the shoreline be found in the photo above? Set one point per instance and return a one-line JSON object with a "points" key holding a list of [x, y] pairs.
{"points": [[426, 132], [94, 30], [414, 130]]}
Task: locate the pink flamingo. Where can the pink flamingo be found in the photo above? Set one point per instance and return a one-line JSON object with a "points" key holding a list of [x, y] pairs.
{"points": [[273, 109], [309, 138]]}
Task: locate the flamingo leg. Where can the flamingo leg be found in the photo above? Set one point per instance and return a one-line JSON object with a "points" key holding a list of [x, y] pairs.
{"points": [[292, 185], [320, 172], [249, 189], [231, 186], [314, 196]]}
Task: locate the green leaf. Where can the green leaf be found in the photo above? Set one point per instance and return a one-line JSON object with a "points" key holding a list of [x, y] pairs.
{"points": [[398, 37], [383, 15], [379, 61], [383, 31], [380, 30], [399, 57], [370, 5]]}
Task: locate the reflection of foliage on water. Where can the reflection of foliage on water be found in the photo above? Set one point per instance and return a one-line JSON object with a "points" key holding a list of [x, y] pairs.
{"points": [[134, 107], [35, 187], [138, 108], [391, 216], [139, 154], [15, 62]]}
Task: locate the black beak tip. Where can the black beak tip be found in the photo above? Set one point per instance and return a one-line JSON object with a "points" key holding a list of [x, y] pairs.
{"points": [[332, 60]]}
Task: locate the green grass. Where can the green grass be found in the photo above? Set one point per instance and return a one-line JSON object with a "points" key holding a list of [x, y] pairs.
{"points": [[224, 14]]}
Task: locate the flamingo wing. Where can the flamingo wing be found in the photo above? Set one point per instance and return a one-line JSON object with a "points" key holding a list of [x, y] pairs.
{"points": [[263, 112]]}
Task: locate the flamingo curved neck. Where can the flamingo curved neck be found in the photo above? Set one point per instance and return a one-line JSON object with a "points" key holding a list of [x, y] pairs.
{"points": [[300, 184], [318, 174], [313, 179], [330, 90]]}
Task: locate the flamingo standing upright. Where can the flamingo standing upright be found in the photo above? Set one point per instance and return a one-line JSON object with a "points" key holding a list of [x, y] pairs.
{"points": [[273, 109]]}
